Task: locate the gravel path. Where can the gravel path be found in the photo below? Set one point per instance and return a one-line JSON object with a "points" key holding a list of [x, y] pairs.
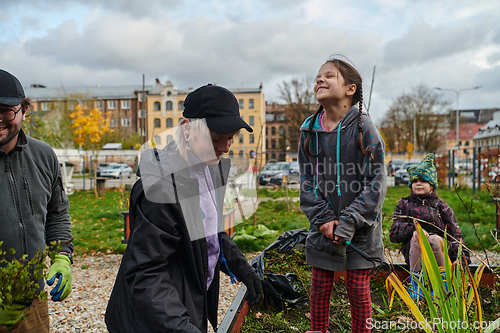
{"points": [[93, 279]]}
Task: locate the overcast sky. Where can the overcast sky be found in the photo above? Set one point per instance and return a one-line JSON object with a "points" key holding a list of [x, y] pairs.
{"points": [[451, 44]]}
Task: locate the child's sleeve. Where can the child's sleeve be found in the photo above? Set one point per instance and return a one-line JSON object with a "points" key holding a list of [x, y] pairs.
{"points": [[312, 201], [366, 208], [450, 222], [402, 227]]}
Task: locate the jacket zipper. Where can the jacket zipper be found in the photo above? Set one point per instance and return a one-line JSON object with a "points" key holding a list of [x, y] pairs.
{"points": [[16, 202], [28, 192]]}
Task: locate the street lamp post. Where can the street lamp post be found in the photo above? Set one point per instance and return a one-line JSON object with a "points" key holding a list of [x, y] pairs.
{"points": [[458, 94]]}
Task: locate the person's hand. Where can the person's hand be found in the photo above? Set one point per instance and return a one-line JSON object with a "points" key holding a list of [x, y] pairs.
{"points": [[425, 233], [11, 314], [328, 228], [254, 286], [337, 239], [60, 269]]}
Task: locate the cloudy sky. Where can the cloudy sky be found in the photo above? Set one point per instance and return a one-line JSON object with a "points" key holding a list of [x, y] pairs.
{"points": [[452, 44]]}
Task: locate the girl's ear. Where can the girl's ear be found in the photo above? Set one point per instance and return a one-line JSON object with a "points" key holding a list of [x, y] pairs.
{"points": [[351, 89]]}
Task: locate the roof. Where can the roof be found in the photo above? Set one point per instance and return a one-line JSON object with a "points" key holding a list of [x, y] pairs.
{"points": [[92, 92], [108, 92], [466, 132], [112, 146], [491, 129]]}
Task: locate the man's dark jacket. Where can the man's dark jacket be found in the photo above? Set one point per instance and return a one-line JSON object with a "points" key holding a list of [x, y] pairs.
{"points": [[161, 285]]}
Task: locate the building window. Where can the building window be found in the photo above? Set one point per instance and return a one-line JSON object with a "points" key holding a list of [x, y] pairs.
{"points": [[112, 122], [251, 120], [71, 105], [241, 138], [267, 131], [180, 105], [242, 154], [251, 138], [157, 140], [180, 120], [282, 130], [142, 114], [112, 105], [250, 103], [273, 130], [231, 154], [240, 102], [98, 105], [140, 97], [157, 123], [168, 106], [170, 138], [273, 156], [156, 106], [45, 106], [273, 144], [126, 104], [125, 122], [169, 93], [252, 154], [170, 122]]}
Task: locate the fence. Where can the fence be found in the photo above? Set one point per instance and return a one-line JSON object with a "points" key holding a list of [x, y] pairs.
{"points": [[471, 167]]}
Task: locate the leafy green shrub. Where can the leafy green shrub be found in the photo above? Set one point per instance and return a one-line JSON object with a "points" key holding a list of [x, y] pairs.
{"points": [[19, 277]]}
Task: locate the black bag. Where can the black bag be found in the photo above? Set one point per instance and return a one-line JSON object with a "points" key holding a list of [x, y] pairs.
{"points": [[281, 289]]}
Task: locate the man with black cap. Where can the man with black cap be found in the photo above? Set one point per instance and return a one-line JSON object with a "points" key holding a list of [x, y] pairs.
{"points": [[168, 280], [34, 207]]}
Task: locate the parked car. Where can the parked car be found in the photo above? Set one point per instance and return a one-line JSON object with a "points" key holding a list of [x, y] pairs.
{"points": [[401, 175], [116, 170], [272, 169], [233, 171], [101, 167], [291, 174], [393, 166]]}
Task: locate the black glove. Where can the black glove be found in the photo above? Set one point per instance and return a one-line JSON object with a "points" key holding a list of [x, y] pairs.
{"points": [[254, 287]]}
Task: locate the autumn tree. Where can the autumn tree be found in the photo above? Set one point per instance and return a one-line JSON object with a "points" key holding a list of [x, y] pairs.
{"points": [[88, 128], [422, 109], [299, 98]]}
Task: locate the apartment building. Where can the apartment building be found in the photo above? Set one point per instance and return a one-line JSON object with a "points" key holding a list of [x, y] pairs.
{"points": [[122, 104], [165, 104]]}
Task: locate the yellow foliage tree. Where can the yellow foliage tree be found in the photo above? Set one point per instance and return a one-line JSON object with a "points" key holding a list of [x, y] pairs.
{"points": [[88, 128]]}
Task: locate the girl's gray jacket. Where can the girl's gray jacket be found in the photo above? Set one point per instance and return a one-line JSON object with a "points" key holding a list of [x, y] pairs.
{"points": [[357, 200]]}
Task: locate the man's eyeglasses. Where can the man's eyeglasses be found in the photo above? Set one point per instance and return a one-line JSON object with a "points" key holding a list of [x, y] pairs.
{"points": [[9, 115]]}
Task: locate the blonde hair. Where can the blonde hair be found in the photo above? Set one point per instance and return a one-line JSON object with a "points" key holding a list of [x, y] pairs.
{"points": [[198, 127]]}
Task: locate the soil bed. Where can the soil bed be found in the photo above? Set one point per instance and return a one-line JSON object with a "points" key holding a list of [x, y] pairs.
{"points": [[270, 318]]}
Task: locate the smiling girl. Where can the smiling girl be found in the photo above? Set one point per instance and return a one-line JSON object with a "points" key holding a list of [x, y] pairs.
{"points": [[343, 185]]}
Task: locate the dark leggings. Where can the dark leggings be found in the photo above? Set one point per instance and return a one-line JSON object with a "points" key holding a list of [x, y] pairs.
{"points": [[357, 284]]}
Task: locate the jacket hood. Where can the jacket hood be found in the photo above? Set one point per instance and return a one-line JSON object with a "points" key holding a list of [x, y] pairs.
{"points": [[166, 178]]}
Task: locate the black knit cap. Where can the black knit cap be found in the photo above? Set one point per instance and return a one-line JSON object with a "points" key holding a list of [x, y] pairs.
{"points": [[217, 106], [11, 90]]}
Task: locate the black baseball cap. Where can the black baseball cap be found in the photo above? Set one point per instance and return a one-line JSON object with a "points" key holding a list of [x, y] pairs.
{"points": [[217, 106], [11, 90]]}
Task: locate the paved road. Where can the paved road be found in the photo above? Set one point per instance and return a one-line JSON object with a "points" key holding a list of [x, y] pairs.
{"points": [[110, 183]]}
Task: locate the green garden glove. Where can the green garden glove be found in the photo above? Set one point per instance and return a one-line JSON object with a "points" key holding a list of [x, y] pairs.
{"points": [[60, 269], [11, 314]]}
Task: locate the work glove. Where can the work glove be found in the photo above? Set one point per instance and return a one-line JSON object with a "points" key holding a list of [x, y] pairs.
{"points": [[11, 314], [254, 287], [60, 269]]}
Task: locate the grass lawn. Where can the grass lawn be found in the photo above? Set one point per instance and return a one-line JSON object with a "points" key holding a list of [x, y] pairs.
{"points": [[97, 224]]}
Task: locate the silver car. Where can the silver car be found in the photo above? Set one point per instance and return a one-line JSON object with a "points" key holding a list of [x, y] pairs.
{"points": [[116, 170]]}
